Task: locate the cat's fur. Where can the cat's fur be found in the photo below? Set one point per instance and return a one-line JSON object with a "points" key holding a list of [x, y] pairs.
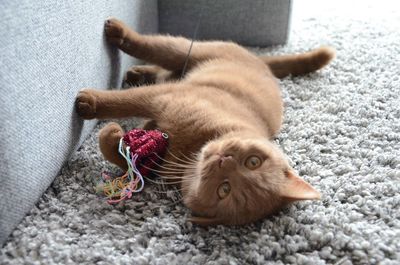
{"points": [[221, 119]]}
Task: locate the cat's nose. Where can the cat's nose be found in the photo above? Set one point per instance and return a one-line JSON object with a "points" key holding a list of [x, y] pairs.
{"points": [[224, 159]]}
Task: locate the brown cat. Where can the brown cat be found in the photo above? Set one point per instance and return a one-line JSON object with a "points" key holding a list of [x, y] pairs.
{"points": [[221, 118]]}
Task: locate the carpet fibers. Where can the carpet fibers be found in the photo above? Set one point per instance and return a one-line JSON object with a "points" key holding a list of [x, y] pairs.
{"points": [[341, 132]]}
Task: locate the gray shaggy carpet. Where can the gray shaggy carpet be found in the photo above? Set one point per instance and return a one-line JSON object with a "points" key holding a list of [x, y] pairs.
{"points": [[341, 132]]}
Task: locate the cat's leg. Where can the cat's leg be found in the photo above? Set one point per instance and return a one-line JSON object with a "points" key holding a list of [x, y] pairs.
{"points": [[146, 102], [139, 75], [299, 64], [109, 138], [170, 52]]}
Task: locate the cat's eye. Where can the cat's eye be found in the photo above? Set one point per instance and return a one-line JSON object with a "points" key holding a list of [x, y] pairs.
{"points": [[253, 162], [223, 190]]}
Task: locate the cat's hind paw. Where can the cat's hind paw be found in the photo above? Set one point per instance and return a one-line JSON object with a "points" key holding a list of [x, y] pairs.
{"points": [[139, 75]]}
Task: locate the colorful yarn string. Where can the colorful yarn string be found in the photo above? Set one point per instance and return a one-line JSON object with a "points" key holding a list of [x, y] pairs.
{"points": [[149, 146]]}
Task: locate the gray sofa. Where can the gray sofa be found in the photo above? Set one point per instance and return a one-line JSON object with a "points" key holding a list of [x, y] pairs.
{"points": [[49, 50]]}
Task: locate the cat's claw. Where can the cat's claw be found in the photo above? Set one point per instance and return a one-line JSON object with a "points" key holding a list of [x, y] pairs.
{"points": [[85, 104], [133, 77]]}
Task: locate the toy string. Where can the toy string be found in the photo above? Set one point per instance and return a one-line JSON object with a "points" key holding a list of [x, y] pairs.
{"points": [[191, 44], [131, 162], [131, 182]]}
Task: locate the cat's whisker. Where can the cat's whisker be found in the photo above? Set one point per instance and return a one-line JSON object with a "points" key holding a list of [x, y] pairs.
{"points": [[172, 183], [163, 171], [191, 160], [187, 174], [180, 159], [177, 158], [188, 158], [166, 171], [165, 192], [169, 172], [175, 175], [176, 181], [172, 164], [162, 182], [162, 186], [182, 179], [184, 163], [181, 167], [167, 182], [162, 166], [189, 177], [188, 166]]}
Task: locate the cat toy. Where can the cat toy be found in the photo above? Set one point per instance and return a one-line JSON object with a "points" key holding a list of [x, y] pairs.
{"points": [[142, 149]]}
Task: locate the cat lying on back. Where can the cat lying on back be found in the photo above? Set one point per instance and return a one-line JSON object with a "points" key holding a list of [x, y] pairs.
{"points": [[221, 118]]}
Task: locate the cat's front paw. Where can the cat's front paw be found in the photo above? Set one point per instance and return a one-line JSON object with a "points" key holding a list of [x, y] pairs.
{"points": [[111, 134], [85, 104], [134, 77], [115, 31]]}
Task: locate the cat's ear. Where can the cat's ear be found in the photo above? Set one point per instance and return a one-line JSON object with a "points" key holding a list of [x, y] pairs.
{"points": [[204, 221], [295, 188]]}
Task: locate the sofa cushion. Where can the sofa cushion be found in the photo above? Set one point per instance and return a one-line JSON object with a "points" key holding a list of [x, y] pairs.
{"points": [[49, 50], [252, 23]]}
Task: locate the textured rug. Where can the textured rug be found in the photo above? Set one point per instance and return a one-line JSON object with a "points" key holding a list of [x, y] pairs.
{"points": [[341, 131]]}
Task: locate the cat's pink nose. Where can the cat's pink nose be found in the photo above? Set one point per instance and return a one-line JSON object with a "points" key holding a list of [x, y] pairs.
{"points": [[224, 159]]}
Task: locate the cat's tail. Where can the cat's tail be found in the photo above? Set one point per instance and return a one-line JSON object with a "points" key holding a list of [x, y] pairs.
{"points": [[299, 64]]}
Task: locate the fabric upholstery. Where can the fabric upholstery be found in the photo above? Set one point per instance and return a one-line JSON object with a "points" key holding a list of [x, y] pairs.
{"points": [[251, 23], [49, 50]]}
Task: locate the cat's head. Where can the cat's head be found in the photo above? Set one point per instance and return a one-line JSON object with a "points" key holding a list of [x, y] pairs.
{"points": [[238, 181]]}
